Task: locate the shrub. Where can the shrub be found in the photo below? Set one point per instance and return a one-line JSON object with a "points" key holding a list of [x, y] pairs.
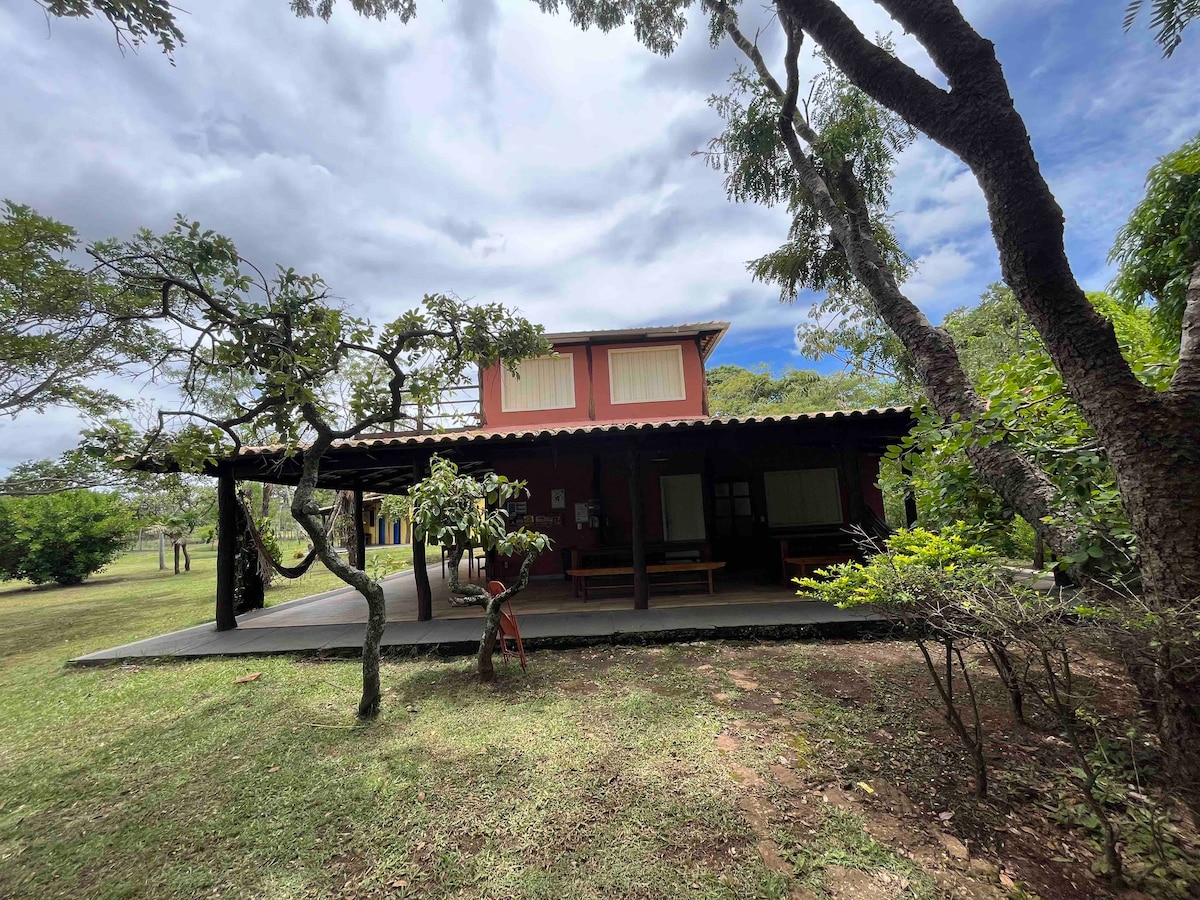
{"points": [[62, 537]]}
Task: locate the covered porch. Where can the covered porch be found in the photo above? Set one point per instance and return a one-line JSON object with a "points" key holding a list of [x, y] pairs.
{"points": [[621, 501]]}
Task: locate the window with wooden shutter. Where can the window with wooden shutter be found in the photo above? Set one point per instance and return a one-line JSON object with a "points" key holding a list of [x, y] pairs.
{"points": [[803, 497], [646, 375], [545, 382]]}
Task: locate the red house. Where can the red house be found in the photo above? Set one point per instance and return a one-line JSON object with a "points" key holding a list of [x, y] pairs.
{"points": [[630, 475]]}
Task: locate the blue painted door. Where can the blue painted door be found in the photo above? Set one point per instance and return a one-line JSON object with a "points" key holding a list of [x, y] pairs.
{"points": [[395, 532], [382, 530]]}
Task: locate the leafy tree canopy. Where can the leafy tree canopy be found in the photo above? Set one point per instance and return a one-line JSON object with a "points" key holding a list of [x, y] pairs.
{"points": [[62, 537], [1168, 19], [1158, 249], [62, 326], [735, 391], [1028, 406]]}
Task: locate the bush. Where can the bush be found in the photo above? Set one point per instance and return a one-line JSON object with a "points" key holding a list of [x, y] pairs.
{"points": [[914, 568], [62, 537]]}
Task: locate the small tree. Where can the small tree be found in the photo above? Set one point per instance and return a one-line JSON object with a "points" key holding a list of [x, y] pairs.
{"points": [[63, 537], [457, 512], [290, 346], [923, 584]]}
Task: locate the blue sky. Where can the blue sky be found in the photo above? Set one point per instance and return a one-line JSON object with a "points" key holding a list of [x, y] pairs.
{"points": [[499, 153]]}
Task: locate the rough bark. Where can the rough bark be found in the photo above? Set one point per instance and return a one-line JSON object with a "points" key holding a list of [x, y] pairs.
{"points": [[1187, 376], [473, 595], [1025, 487], [1152, 439], [306, 511]]}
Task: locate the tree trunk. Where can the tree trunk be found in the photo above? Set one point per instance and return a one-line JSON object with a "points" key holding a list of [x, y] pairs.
{"points": [[306, 511], [187, 558], [487, 644], [162, 551], [1152, 439], [175, 549]]}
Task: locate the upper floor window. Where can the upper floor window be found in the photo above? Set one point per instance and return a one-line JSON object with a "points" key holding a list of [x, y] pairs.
{"points": [[646, 375], [545, 382]]}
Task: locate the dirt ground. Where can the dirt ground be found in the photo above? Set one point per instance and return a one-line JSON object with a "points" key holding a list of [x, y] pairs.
{"points": [[849, 731]]}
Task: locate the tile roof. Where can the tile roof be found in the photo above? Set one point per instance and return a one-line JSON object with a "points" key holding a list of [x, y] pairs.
{"points": [[710, 334], [439, 439]]}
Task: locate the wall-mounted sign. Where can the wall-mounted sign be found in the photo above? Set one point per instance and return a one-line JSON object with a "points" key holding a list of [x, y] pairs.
{"points": [[558, 498], [542, 521], [581, 513]]}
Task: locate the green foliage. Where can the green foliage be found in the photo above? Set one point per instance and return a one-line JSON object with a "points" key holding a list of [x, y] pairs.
{"points": [[1155, 859], [455, 510], [1158, 249], [854, 144], [134, 21], [1168, 19], [735, 391], [913, 570], [61, 326], [64, 537], [857, 140], [1028, 407], [281, 358]]}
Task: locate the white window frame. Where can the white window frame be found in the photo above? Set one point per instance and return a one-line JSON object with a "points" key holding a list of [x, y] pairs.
{"points": [[557, 357], [612, 387]]}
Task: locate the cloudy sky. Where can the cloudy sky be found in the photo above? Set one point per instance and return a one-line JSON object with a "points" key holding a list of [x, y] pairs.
{"points": [[489, 150]]}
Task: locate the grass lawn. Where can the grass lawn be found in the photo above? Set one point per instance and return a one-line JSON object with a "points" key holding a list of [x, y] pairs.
{"points": [[705, 770]]}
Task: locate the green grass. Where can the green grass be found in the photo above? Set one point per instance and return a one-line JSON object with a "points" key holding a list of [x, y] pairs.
{"points": [[132, 599], [172, 781], [597, 774]]}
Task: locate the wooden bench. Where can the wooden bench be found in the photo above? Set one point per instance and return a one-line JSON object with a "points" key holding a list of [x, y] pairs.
{"points": [[703, 569], [806, 565]]}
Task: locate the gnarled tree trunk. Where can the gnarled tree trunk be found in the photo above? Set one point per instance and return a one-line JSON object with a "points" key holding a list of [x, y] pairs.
{"points": [[1152, 439], [308, 514]]}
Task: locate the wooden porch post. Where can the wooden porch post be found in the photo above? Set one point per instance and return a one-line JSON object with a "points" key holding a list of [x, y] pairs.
{"points": [[852, 475], [910, 498], [420, 572], [227, 540], [637, 508], [359, 547]]}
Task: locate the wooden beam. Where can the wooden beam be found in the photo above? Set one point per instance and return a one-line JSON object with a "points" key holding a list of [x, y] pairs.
{"points": [[359, 547], [910, 497], [227, 539], [637, 508], [420, 572]]}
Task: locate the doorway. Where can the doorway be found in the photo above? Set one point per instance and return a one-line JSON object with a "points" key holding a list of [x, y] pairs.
{"points": [[683, 508]]}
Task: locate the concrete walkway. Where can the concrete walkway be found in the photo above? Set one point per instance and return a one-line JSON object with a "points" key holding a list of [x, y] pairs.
{"points": [[451, 636]]}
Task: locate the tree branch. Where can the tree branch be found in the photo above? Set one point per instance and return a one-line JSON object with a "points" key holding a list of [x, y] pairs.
{"points": [[1012, 475]]}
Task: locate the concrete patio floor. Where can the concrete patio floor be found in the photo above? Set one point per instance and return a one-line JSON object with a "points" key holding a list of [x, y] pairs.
{"points": [[333, 623]]}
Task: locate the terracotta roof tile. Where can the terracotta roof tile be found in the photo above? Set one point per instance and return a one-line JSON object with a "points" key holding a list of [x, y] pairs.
{"points": [[486, 435]]}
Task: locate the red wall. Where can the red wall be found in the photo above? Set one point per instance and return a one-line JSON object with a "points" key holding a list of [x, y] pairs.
{"points": [[693, 381], [605, 410], [493, 406]]}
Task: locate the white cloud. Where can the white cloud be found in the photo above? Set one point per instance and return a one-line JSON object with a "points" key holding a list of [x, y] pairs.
{"points": [[513, 157]]}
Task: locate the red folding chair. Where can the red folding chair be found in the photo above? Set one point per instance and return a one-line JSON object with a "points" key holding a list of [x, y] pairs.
{"points": [[508, 628]]}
